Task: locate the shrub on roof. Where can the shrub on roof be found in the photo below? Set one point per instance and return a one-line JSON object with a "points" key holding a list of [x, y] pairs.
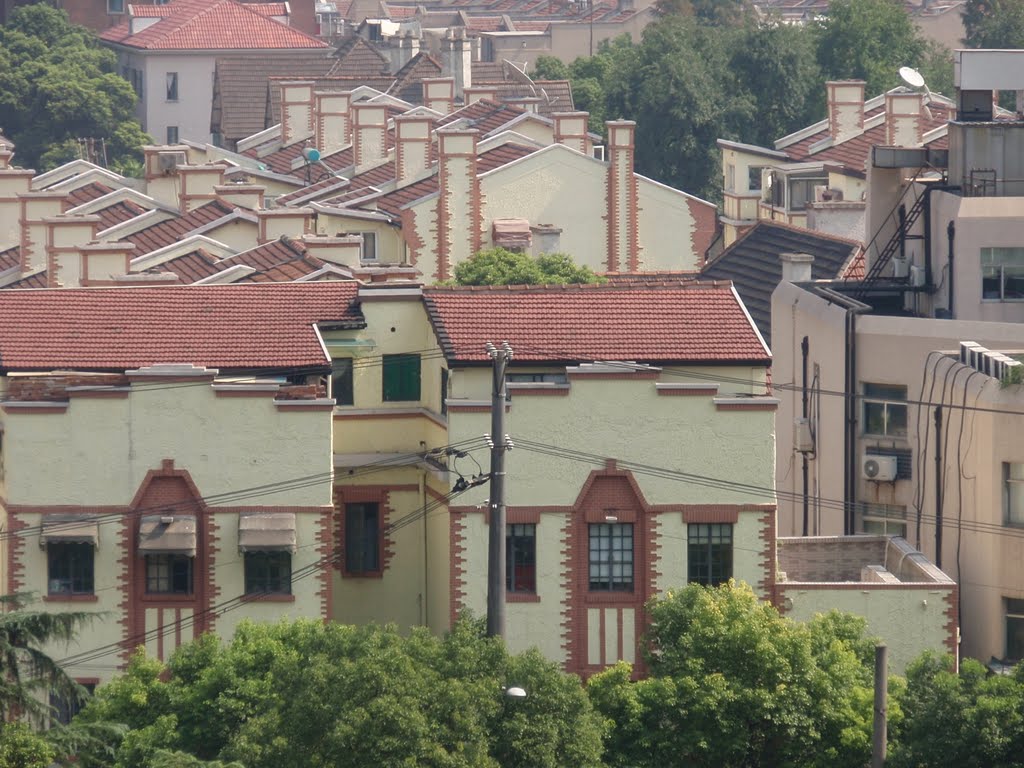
{"points": [[498, 266]]}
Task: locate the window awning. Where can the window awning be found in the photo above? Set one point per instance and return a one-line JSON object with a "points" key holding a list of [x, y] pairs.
{"points": [[168, 535], [76, 529], [266, 532], [511, 233]]}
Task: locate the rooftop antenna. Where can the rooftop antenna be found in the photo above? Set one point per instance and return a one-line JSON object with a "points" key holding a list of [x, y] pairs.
{"points": [[915, 79]]}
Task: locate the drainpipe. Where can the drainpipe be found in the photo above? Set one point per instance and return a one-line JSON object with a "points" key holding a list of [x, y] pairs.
{"points": [[951, 236], [928, 236], [938, 486], [805, 350], [850, 432], [424, 615]]}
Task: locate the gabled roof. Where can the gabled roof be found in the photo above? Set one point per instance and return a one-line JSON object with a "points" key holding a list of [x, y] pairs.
{"points": [[356, 57], [752, 263], [233, 327], [665, 323], [192, 25], [171, 231]]}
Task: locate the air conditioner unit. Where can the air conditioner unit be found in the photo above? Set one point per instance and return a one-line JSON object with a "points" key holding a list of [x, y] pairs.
{"points": [[880, 469], [168, 161], [900, 268]]}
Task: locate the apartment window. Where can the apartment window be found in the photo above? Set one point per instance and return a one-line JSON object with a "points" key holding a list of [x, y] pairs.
{"points": [[368, 251], [1013, 493], [1002, 274], [521, 558], [70, 568], [730, 177], [168, 575], [115, 6], [172, 134], [537, 378], [362, 537], [1014, 629], [268, 573], [401, 378], [883, 519], [885, 410], [801, 192], [172, 86], [64, 707], [754, 178], [342, 382], [444, 399], [709, 553], [611, 557]]}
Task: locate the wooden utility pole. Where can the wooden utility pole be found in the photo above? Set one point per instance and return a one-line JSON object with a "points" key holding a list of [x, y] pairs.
{"points": [[496, 531], [879, 735]]}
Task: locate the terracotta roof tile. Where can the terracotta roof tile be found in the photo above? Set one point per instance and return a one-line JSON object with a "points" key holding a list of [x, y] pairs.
{"points": [[10, 258], [190, 267], [171, 231], [233, 327], [674, 322], [118, 213], [216, 25], [356, 57], [37, 280], [87, 193]]}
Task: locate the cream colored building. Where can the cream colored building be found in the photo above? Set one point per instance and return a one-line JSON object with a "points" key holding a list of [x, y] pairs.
{"points": [[174, 498], [884, 370]]}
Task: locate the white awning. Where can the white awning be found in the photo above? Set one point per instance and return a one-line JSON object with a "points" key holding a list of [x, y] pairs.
{"points": [[266, 532], [168, 535], [71, 529]]}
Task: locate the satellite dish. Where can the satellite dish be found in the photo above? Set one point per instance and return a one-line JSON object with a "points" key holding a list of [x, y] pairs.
{"points": [[311, 154], [911, 77]]}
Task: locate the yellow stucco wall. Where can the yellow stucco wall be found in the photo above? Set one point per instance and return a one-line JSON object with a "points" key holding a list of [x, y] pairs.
{"points": [[665, 226], [908, 621], [390, 246]]}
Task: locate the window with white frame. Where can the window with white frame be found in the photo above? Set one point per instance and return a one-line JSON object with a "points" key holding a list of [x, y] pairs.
{"points": [[172, 86], [883, 519], [1013, 493], [885, 410], [1014, 629], [611, 557], [368, 252], [1002, 274]]}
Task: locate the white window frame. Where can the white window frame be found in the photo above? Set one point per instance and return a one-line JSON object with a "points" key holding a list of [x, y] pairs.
{"points": [[368, 251], [1003, 258], [887, 403], [1016, 615], [892, 518], [1013, 479]]}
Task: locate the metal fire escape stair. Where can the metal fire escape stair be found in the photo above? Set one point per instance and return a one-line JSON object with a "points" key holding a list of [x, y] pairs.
{"points": [[893, 246]]}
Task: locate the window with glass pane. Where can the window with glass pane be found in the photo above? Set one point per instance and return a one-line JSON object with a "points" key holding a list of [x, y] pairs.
{"points": [[268, 573], [1002, 274], [362, 537], [65, 706], [342, 382], [521, 558], [401, 378], [1014, 629], [709, 553], [70, 568], [883, 519], [611, 557], [801, 192], [754, 178], [1013, 493], [885, 410], [168, 575], [172, 86]]}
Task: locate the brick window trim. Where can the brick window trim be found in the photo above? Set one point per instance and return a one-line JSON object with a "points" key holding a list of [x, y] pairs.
{"points": [[71, 598], [521, 597], [269, 597], [360, 494]]}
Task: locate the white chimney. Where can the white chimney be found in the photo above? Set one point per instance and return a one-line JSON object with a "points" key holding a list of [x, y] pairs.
{"points": [[439, 94], [457, 59], [369, 132], [296, 111], [623, 225], [458, 203], [796, 267], [571, 130], [845, 109], [332, 126], [903, 119], [412, 146]]}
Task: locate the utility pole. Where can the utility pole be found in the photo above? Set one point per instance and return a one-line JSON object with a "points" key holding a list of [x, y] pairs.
{"points": [[496, 531], [879, 733]]}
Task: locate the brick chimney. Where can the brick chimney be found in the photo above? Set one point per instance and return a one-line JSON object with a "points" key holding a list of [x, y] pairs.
{"points": [[845, 109], [13, 183], [623, 226], [241, 195], [412, 146], [457, 59], [296, 111], [571, 130], [369, 133], [198, 185], [439, 94], [275, 222], [903, 119], [459, 220], [302, 16], [480, 92], [65, 236], [35, 209], [332, 128]]}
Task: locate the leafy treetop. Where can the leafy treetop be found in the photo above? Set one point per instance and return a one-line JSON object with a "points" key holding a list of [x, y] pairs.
{"points": [[498, 266]]}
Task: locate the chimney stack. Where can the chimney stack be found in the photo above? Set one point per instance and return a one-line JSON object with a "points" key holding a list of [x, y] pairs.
{"points": [[459, 219], [275, 222], [479, 93], [241, 195], [903, 119], [796, 267], [571, 130], [439, 94], [845, 109], [332, 128], [198, 185], [457, 59], [369, 133], [296, 111], [37, 208], [65, 236], [14, 182], [623, 226], [412, 146], [402, 49]]}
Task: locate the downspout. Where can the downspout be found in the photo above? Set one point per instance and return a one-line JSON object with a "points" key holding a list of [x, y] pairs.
{"points": [[928, 274], [850, 427], [426, 561], [938, 486], [804, 351], [951, 236]]}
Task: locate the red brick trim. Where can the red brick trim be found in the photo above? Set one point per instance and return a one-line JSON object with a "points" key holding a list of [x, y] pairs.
{"points": [[325, 549], [522, 597], [689, 392], [457, 560], [952, 600], [413, 242], [768, 558], [538, 391], [747, 406], [726, 516], [71, 598], [381, 494], [615, 376], [15, 551]]}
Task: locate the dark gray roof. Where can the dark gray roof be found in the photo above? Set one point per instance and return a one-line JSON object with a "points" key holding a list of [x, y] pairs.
{"points": [[753, 264]]}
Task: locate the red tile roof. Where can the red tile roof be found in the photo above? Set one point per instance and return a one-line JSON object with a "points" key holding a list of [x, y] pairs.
{"points": [[171, 231], [119, 213], [87, 193], [671, 322], [190, 267], [10, 258], [212, 25], [37, 280], [232, 327]]}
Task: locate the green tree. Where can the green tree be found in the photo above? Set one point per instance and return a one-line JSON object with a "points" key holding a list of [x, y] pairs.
{"points": [[868, 40], [732, 683], [498, 266], [306, 694], [57, 84], [550, 68], [21, 747], [994, 23], [718, 13]]}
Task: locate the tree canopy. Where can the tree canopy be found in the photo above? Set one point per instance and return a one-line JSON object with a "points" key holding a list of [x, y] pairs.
{"points": [[57, 85], [307, 694], [498, 266], [994, 23]]}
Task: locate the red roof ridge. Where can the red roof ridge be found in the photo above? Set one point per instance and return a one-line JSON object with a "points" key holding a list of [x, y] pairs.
{"points": [[694, 283]]}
